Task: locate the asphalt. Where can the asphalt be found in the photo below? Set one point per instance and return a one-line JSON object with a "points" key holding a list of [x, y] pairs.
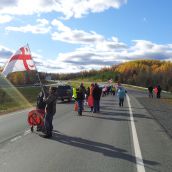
{"points": [[161, 111], [101, 142]]}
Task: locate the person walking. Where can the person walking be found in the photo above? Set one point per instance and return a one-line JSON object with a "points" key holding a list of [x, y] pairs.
{"points": [[159, 92], [113, 90], [90, 97], [121, 94], [74, 93], [80, 99], [84, 94], [150, 90], [87, 93], [96, 98], [99, 96], [50, 111], [155, 90]]}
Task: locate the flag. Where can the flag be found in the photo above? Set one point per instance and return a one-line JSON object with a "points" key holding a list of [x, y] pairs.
{"points": [[20, 61]]}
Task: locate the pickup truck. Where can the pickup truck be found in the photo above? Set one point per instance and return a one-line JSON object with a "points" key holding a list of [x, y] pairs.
{"points": [[64, 92]]}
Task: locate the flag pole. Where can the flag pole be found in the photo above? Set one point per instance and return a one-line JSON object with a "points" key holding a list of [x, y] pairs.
{"points": [[37, 73]]}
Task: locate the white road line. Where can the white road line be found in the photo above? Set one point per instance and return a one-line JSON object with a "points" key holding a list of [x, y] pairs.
{"points": [[15, 138], [27, 132], [138, 154], [18, 136]]}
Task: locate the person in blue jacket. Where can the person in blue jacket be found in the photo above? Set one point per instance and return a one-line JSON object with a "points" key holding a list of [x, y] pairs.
{"points": [[121, 94]]}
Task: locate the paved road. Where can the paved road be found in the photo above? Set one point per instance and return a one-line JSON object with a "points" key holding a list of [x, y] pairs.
{"points": [[104, 142]]}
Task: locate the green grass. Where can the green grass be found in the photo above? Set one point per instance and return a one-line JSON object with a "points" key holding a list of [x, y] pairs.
{"points": [[77, 83], [30, 93], [12, 99]]}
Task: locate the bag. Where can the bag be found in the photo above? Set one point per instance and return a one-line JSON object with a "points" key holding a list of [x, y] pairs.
{"points": [[76, 106]]}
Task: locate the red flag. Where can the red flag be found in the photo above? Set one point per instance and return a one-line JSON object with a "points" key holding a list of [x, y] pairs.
{"points": [[20, 61]]}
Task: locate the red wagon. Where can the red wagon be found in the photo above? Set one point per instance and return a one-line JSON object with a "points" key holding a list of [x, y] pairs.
{"points": [[36, 118]]}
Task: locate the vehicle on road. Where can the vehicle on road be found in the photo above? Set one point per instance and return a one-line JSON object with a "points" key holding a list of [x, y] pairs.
{"points": [[36, 84], [64, 92]]}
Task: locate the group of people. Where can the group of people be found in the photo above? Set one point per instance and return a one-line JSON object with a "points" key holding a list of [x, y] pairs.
{"points": [[46, 102], [92, 96], [108, 90], [157, 91]]}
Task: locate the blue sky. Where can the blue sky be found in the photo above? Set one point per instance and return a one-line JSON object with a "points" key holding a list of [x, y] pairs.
{"points": [[70, 36]]}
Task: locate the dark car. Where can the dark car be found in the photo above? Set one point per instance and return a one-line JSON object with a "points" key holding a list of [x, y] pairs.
{"points": [[64, 92]]}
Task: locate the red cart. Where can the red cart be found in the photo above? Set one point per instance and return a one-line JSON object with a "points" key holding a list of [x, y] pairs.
{"points": [[36, 118]]}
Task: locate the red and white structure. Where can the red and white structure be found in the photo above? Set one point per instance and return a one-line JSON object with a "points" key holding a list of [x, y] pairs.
{"points": [[20, 61]]}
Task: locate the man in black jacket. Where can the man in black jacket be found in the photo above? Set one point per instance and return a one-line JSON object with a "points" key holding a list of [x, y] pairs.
{"points": [[80, 98], [50, 111], [96, 96]]}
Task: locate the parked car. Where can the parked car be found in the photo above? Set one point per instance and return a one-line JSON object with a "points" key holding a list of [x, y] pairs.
{"points": [[37, 84], [64, 92]]}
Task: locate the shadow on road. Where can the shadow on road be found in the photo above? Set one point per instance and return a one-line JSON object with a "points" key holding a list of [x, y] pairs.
{"points": [[124, 113], [105, 149], [106, 118]]}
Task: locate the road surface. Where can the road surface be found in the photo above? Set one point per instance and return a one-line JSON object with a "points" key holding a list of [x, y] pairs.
{"points": [[118, 139]]}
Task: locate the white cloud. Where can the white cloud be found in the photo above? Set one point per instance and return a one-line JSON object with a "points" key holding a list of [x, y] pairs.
{"points": [[75, 36], [91, 39], [149, 50], [5, 52], [89, 57], [96, 53], [72, 8], [41, 28], [5, 18]]}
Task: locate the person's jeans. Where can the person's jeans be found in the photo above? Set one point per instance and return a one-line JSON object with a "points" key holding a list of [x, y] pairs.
{"points": [[96, 106], [48, 124], [158, 95], [121, 101], [80, 106]]}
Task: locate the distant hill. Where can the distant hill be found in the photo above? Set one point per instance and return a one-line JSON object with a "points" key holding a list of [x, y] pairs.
{"points": [[146, 72], [139, 72]]}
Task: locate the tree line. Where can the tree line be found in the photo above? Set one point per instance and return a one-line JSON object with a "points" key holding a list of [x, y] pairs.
{"points": [[138, 72]]}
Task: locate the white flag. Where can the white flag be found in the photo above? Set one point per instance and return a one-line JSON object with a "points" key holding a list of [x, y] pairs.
{"points": [[20, 61]]}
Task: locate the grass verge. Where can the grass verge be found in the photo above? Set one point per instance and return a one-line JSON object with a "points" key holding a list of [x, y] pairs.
{"points": [[16, 99]]}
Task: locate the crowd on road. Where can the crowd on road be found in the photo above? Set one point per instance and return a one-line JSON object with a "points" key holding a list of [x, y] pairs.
{"points": [[83, 97], [92, 95]]}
